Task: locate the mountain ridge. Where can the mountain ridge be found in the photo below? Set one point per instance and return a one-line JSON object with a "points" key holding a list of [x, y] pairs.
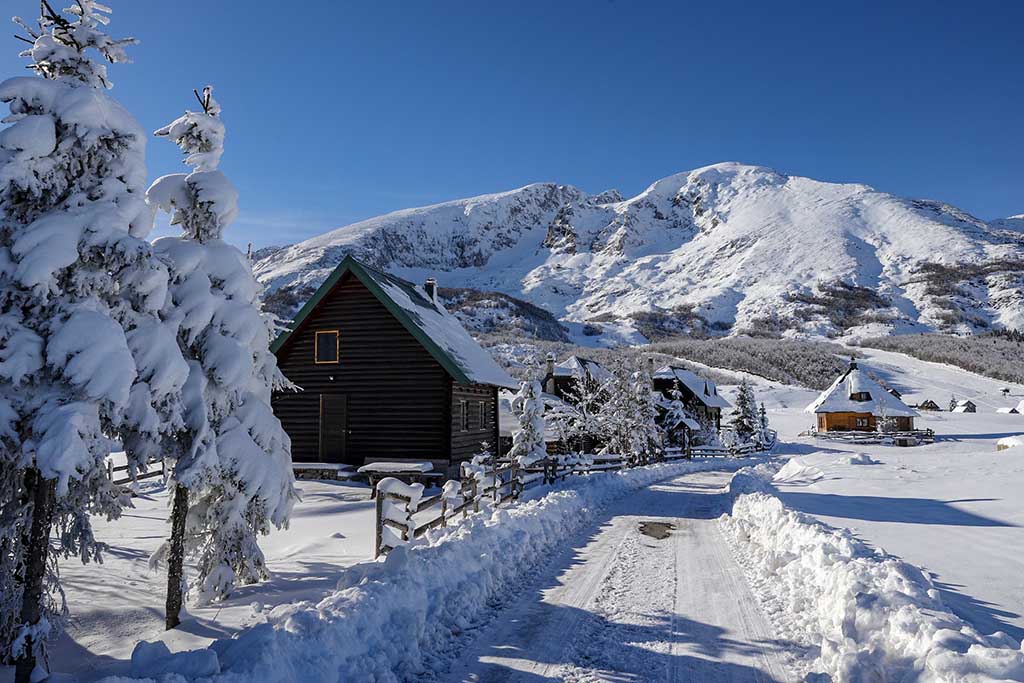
{"points": [[725, 248]]}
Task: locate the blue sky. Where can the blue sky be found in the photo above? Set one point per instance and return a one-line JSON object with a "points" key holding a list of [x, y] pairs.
{"points": [[338, 112]]}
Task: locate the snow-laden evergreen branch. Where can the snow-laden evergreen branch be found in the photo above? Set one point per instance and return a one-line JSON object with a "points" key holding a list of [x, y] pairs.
{"points": [[85, 358], [235, 462]]}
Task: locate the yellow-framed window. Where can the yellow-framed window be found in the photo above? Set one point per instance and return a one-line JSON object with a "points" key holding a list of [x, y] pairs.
{"points": [[327, 347]]}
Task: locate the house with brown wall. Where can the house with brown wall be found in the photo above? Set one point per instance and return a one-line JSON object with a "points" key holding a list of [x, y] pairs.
{"points": [[385, 373]]}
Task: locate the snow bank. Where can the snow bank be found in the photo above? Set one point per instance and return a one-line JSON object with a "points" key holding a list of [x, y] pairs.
{"points": [[861, 459], [873, 616], [394, 620], [796, 471]]}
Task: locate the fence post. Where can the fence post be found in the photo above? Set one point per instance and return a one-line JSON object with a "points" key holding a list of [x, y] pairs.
{"points": [[110, 470], [474, 493], [379, 535]]}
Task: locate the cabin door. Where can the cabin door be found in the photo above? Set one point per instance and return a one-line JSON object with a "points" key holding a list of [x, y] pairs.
{"points": [[333, 427]]}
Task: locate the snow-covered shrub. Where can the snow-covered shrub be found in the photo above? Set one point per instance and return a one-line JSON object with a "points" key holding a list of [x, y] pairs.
{"points": [[84, 355], [233, 456]]}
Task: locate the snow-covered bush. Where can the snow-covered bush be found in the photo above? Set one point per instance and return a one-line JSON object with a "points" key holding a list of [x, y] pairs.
{"points": [[233, 457], [84, 355]]}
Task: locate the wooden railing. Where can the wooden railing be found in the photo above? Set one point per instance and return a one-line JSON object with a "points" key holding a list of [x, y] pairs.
{"points": [[112, 470], [404, 515]]}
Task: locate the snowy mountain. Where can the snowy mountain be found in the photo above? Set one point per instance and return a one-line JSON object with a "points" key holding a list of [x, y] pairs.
{"points": [[725, 248]]}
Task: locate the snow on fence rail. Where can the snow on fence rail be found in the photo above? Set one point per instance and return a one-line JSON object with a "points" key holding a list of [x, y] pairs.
{"points": [[403, 514]]}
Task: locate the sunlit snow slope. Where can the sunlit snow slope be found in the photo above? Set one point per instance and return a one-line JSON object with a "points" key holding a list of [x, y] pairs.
{"points": [[729, 247]]}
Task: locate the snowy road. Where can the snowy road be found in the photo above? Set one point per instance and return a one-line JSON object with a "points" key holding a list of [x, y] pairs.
{"points": [[622, 605]]}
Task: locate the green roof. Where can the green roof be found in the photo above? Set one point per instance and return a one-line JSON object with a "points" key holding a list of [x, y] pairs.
{"points": [[439, 332]]}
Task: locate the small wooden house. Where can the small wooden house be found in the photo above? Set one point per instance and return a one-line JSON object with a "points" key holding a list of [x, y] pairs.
{"points": [[965, 407], [856, 402], [386, 374], [928, 404], [700, 396]]}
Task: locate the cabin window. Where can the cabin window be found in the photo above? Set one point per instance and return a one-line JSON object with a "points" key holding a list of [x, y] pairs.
{"points": [[327, 347], [464, 416], [860, 396], [482, 414], [862, 422]]}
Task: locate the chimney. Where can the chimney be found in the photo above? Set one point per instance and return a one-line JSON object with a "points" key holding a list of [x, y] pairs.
{"points": [[430, 286], [550, 374]]}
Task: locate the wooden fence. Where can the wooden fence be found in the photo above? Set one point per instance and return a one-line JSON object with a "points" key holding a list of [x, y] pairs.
{"points": [[855, 437], [113, 470], [404, 515]]}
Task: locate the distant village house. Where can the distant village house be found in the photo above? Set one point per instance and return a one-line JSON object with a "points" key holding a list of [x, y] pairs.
{"points": [[856, 402]]}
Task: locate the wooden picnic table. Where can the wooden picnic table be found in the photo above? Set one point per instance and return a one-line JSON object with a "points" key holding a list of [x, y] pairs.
{"points": [[409, 472]]}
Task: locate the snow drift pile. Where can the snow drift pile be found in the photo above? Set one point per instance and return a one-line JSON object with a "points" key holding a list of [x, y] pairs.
{"points": [[874, 617], [393, 620]]}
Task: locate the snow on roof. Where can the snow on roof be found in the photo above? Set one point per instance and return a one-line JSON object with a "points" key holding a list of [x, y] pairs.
{"points": [[1020, 406], [575, 366], [838, 397], [1006, 410], [703, 389], [438, 330]]}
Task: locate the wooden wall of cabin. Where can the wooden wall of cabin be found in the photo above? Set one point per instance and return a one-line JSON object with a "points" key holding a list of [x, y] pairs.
{"points": [[480, 425], [397, 394], [846, 422]]}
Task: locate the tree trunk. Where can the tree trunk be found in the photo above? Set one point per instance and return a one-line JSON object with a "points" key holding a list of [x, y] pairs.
{"points": [[176, 557], [37, 547]]}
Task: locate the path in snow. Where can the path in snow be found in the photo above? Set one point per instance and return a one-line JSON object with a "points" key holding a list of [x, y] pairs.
{"points": [[625, 606]]}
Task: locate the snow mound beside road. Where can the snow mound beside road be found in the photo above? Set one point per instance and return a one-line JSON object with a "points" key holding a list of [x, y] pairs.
{"points": [[873, 616]]}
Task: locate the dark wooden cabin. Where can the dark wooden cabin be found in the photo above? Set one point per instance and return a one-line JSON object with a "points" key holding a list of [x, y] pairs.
{"points": [[562, 379], [386, 374], [700, 396]]}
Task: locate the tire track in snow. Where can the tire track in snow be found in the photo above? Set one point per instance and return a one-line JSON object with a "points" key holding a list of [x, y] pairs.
{"points": [[621, 606]]}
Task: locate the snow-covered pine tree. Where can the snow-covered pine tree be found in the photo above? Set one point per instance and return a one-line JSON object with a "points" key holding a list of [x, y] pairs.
{"points": [[586, 395], [744, 420], [232, 472], [616, 412], [528, 447], [84, 356], [675, 413], [646, 436]]}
